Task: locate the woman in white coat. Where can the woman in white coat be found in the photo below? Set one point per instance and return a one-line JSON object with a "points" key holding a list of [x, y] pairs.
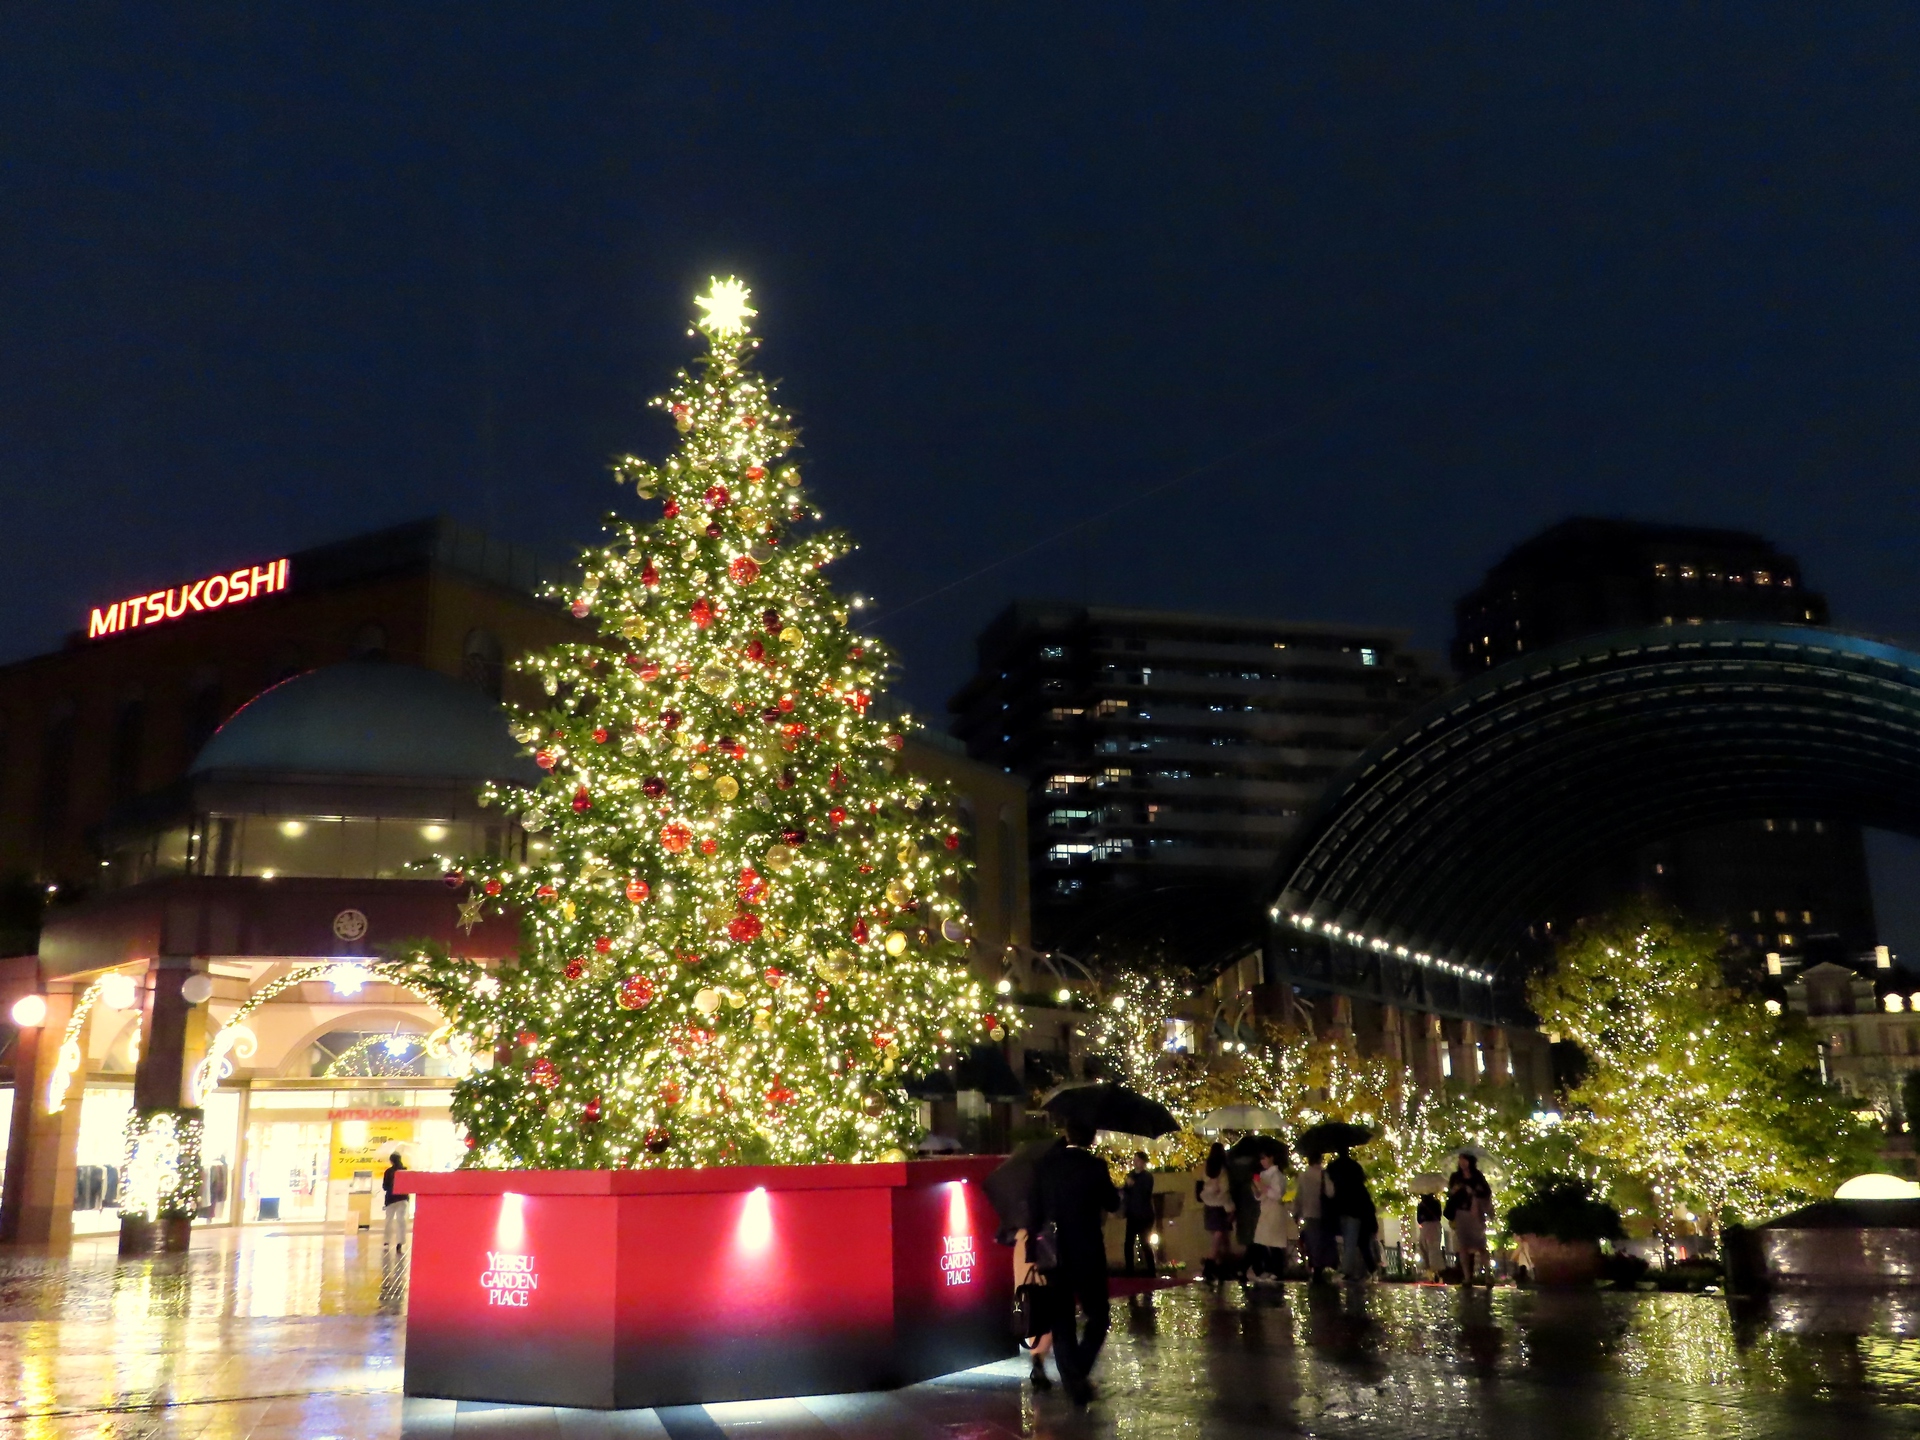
{"points": [[1273, 1235]]}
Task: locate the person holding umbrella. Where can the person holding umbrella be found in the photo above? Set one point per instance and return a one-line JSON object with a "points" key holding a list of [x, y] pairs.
{"points": [[1348, 1203], [1072, 1196]]}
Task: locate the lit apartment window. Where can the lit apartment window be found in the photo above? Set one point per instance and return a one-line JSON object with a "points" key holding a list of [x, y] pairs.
{"points": [[1109, 707], [1368, 656], [1115, 775], [1053, 652], [1065, 712], [1763, 577], [1806, 917], [1068, 817], [1446, 1061], [1781, 916], [1068, 854], [1062, 784]]}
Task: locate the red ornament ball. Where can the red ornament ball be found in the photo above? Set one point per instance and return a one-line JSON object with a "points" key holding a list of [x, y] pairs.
{"points": [[857, 651], [756, 651], [581, 609], [716, 497], [713, 530], [896, 742], [743, 929], [526, 1037], [776, 977], [636, 992], [649, 576], [859, 932], [953, 842], [544, 759], [653, 787], [786, 704], [454, 879], [638, 890], [599, 734], [576, 969], [603, 945], [649, 670], [669, 719], [701, 613], [470, 1141], [794, 835], [582, 801], [675, 838], [492, 887], [671, 509], [744, 571], [544, 1073], [591, 1114], [837, 815], [756, 472], [770, 621], [707, 847], [544, 894]]}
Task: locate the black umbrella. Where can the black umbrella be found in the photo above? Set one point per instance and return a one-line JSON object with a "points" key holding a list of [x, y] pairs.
{"points": [[1330, 1135], [1010, 1188], [1111, 1107]]}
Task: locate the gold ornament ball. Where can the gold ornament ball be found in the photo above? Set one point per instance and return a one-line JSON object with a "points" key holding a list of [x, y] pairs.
{"points": [[699, 770], [633, 627], [898, 891], [726, 787], [707, 1002], [896, 943], [791, 636], [763, 1020], [907, 853], [779, 859], [996, 1034], [892, 1157], [713, 679]]}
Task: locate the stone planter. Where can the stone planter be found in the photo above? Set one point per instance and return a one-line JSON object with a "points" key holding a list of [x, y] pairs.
{"points": [[168, 1235], [1563, 1263]]}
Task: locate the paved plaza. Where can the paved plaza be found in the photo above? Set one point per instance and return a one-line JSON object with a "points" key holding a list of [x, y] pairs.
{"points": [[263, 1334]]}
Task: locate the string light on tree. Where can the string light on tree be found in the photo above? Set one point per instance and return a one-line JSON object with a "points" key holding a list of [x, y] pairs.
{"points": [[743, 930]]}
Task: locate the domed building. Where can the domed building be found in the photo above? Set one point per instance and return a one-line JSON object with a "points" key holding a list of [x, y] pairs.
{"points": [[315, 825]]}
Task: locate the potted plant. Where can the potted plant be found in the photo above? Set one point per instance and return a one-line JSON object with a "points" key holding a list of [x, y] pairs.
{"points": [[1560, 1225]]}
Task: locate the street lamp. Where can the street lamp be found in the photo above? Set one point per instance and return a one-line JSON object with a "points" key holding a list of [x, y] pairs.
{"points": [[30, 1012]]}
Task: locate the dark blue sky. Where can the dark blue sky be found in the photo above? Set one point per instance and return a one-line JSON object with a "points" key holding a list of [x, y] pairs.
{"points": [[1435, 275]]}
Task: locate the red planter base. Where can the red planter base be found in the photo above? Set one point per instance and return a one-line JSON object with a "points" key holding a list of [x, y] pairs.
{"points": [[611, 1289]]}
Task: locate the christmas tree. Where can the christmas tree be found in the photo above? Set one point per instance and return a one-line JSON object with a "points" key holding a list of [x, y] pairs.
{"points": [[740, 920]]}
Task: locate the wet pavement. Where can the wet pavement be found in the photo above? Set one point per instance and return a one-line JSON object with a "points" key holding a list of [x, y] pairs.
{"points": [[263, 1334]]}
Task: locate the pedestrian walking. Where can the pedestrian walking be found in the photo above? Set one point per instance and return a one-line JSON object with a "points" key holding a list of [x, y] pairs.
{"points": [[1310, 1210], [1029, 1286], [1470, 1206], [1272, 1234], [1427, 1215], [1136, 1197], [1073, 1195], [393, 1235], [1350, 1202], [1216, 1209]]}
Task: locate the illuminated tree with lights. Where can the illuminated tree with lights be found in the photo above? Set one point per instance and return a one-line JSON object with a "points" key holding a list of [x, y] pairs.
{"points": [[1691, 1088], [740, 924]]}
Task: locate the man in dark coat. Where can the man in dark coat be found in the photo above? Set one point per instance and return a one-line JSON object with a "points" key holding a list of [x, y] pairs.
{"points": [[1073, 1192]]}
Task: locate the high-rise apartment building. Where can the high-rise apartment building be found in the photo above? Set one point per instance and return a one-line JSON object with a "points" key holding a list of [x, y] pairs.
{"points": [[1792, 885], [1169, 757]]}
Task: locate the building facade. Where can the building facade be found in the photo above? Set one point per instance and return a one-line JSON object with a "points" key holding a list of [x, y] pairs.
{"points": [[214, 914], [1169, 757], [1796, 885]]}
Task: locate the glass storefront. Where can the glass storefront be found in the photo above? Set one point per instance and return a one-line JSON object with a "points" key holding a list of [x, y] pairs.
{"points": [[332, 846], [101, 1153], [315, 1153]]}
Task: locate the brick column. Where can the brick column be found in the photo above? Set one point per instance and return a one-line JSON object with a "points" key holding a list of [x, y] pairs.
{"points": [[37, 1208]]}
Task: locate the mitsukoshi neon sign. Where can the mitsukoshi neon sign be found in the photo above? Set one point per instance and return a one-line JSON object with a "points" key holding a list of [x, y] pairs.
{"points": [[214, 592]]}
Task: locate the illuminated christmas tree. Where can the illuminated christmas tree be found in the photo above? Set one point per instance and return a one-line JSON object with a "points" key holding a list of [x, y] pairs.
{"points": [[740, 919]]}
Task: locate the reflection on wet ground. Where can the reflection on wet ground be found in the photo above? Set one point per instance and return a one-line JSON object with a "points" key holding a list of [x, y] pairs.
{"points": [[279, 1334]]}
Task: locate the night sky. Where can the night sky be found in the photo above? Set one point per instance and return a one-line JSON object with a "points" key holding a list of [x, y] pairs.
{"points": [[1409, 282]]}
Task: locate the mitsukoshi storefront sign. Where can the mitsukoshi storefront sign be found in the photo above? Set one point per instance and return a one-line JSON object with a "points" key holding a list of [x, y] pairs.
{"points": [[211, 592]]}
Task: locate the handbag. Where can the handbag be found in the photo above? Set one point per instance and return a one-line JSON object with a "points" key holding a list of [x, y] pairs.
{"points": [[1029, 1315]]}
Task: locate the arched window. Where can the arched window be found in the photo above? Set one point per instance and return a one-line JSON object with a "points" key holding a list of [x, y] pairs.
{"points": [[123, 760], [482, 662]]}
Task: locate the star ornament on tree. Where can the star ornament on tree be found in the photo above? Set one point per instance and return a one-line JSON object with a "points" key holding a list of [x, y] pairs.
{"points": [[727, 311], [470, 913]]}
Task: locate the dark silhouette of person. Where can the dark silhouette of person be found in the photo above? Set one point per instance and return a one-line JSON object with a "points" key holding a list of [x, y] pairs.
{"points": [[1073, 1194], [1137, 1192]]}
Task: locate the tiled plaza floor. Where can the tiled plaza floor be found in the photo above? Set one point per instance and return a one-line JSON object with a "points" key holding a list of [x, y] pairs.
{"points": [[266, 1334]]}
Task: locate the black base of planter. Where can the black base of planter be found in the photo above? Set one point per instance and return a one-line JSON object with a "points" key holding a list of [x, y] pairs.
{"points": [[167, 1236]]}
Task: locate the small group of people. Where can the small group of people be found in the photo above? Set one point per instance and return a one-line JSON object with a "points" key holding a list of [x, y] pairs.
{"points": [[1325, 1216], [1468, 1208]]}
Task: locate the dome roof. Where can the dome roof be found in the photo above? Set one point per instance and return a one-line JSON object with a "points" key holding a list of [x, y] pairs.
{"points": [[369, 717]]}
